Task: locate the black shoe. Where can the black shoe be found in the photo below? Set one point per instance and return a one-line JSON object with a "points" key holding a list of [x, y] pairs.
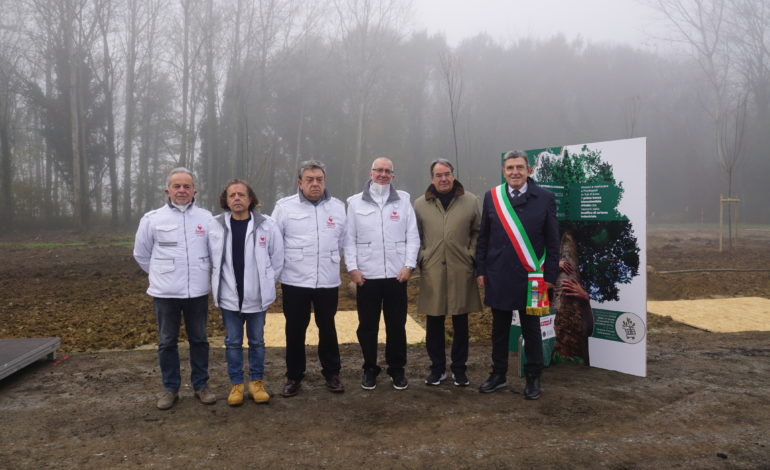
{"points": [[291, 388], [334, 385], [399, 382], [369, 379], [460, 379], [532, 389], [435, 378], [493, 383]]}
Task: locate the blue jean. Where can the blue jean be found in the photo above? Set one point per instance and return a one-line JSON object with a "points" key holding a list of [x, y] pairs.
{"points": [[168, 314], [255, 332]]}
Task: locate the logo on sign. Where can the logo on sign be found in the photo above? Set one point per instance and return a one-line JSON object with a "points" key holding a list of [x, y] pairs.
{"points": [[630, 328], [394, 216], [262, 242], [330, 223], [199, 231]]}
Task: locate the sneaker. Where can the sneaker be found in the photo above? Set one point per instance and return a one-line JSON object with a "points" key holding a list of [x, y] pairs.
{"points": [[236, 395], [334, 385], [206, 396], [460, 379], [369, 379], [258, 392], [435, 378], [167, 400], [399, 382]]}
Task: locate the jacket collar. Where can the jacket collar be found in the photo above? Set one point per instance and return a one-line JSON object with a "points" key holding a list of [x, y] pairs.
{"points": [[325, 196], [223, 219], [458, 187], [172, 206], [393, 196], [533, 190]]}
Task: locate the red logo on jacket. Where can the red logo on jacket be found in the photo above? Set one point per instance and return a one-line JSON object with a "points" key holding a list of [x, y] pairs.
{"points": [[262, 242], [330, 223], [394, 216], [200, 231]]}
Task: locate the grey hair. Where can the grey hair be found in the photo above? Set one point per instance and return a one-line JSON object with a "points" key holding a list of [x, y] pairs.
{"points": [[516, 154], [392, 165], [442, 161], [310, 165], [180, 169]]}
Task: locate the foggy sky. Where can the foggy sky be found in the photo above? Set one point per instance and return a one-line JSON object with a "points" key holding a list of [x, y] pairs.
{"points": [[628, 22]]}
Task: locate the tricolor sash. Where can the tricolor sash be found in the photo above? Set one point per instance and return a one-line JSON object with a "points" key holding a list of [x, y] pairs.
{"points": [[537, 292]]}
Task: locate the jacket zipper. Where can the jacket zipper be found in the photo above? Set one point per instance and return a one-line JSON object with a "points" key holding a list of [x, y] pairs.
{"points": [[318, 251], [186, 250], [382, 231]]}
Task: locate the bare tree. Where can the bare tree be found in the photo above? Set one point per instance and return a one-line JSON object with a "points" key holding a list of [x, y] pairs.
{"points": [[104, 15], [631, 108], [9, 57], [451, 75], [703, 26], [367, 30], [132, 20]]}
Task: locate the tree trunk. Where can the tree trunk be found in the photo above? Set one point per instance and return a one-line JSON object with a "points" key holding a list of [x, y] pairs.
{"points": [[6, 166], [211, 130], [574, 319], [107, 89], [74, 115], [185, 82], [128, 125]]}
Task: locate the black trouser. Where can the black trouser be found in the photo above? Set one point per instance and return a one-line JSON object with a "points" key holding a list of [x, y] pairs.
{"points": [[296, 310], [435, 342], [533, 342], [388, 296]]}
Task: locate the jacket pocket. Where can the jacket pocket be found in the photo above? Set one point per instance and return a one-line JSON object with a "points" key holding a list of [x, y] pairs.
{"points": [[298, 223], [364, 250], [162, 265], [401, 248], [166, 235], [294, 254], [367, 220], [204, 263], [335, 256]]}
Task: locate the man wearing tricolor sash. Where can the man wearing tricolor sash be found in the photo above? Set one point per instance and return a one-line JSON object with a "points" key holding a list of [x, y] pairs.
{"points": [[517, 261]]}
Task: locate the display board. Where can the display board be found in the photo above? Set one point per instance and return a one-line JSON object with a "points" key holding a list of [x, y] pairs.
{"points": [[599, 306]]}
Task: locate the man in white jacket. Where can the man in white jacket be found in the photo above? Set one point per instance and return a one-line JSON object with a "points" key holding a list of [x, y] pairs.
{"points": [[171, 246], [247, 254], [381, 245], [313, 225]]}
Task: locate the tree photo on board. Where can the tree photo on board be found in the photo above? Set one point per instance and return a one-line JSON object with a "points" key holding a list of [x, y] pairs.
{"points": [[599, 250]]}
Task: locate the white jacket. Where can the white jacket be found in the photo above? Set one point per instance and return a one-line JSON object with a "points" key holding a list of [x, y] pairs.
{"points": [[170, 245], [380, 242], [263, 261], [312, 240]]}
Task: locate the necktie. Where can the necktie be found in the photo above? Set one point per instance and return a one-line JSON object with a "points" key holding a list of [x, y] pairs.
{"points": [[516, 193]]}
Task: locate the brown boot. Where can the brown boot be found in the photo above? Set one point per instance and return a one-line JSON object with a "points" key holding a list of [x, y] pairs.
{"points": [[236, 395], [257, 392]]}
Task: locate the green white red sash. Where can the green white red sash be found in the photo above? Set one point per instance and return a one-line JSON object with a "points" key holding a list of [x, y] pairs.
{"points": [[537, 292]]}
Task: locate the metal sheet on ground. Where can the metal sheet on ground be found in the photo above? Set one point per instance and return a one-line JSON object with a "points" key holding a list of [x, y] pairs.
{"points": [[717, 315], [17, 353]]}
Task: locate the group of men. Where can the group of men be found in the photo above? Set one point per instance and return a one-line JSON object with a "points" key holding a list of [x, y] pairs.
{"points": [[509, 246]]}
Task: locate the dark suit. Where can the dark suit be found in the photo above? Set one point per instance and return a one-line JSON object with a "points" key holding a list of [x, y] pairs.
{"points": [[506, 278]]}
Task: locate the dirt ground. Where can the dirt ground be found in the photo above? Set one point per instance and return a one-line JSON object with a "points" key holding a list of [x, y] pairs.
{"points": [[704, 404]]}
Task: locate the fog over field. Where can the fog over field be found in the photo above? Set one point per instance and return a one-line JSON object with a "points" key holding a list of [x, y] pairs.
{"points": [[100, 98]]}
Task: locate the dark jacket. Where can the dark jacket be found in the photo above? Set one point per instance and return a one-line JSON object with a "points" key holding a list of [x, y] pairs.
{"points": [[506, 277]]}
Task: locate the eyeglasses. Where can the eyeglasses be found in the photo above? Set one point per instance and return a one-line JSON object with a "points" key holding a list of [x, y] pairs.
{"points": [[386, 171]]}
